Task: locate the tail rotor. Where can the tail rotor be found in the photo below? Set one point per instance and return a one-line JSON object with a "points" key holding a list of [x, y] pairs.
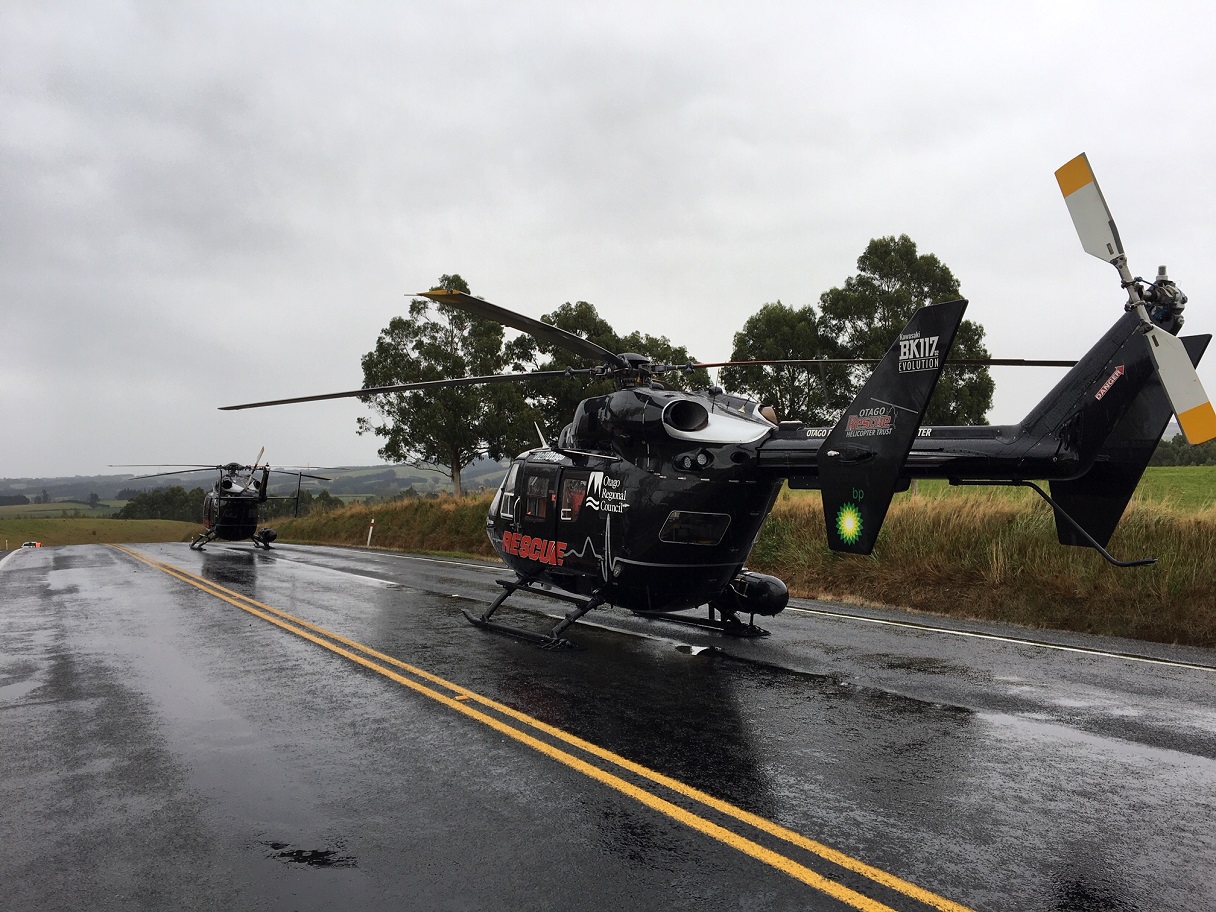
{"points": [[1100, 238]]}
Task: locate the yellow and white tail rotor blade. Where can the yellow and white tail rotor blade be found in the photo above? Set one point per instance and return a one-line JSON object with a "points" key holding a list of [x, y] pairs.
{"points": [[1090, 214], [1099, 236], [1190, 403]]}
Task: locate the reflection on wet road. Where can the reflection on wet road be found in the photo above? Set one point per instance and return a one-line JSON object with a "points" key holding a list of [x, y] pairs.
{"points": [[321, 726]]}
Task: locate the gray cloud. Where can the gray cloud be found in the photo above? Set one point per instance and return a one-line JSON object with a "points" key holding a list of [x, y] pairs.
{"points": [[208, 203]]}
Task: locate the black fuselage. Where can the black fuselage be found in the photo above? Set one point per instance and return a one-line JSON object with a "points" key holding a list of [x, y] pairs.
{"points": [[653, 498], [230, 517]]}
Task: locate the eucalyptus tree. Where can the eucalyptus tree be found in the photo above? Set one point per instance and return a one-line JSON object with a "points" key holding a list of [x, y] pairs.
{"points": [[813, 394], [449, 427], [865, 315], [556, 399]]}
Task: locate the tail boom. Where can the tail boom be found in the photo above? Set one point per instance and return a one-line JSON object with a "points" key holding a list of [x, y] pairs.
{"points": [[1090, 437]]}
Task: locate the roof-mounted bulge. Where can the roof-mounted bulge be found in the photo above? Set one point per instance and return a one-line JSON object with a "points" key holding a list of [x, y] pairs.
{"points": [[686, 415], [690, 419]]}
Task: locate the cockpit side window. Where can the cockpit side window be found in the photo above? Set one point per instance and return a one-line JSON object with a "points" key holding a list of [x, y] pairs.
{"points": [[506, 503]]}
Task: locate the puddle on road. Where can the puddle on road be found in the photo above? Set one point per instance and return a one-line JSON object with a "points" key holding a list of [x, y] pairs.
{"points": [[698, 650], [314, 858], [13, 692]]}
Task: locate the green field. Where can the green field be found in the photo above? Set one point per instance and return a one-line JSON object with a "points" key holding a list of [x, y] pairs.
{"points": [[86, 531], [60, 509], [1178, 487], [1181, 487]]}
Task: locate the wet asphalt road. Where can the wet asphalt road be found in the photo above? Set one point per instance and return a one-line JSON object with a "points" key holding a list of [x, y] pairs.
{"points": [[163, 747]]}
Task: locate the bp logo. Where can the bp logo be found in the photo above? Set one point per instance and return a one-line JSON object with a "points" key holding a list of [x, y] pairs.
{"points": [[848, 523]]}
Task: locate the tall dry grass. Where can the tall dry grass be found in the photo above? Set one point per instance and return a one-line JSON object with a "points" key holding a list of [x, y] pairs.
{"points": [[445, 525], [984, 554]]}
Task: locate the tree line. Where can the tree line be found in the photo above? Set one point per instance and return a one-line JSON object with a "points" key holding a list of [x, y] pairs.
{"points": [[450, 427], [20, 500], [165, 503], [320, 502], [1177, 452]]}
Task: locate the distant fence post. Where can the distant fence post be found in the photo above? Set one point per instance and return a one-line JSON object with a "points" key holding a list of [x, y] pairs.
{"points": [[370, 530]]}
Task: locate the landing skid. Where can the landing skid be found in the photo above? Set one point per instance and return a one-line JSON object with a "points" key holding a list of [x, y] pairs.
{"points": [[201, 539], [728, 625], [551, 640]]}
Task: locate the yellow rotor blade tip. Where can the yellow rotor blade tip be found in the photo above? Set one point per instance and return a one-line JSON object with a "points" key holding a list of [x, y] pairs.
{"points": [[1074, 175]]}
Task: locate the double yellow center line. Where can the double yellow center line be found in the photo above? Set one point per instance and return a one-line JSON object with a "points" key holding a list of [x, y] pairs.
{"points": [[459, 698]]}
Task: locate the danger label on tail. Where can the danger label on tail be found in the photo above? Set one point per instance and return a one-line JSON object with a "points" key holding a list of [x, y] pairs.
{"points": [[1110, 381]]}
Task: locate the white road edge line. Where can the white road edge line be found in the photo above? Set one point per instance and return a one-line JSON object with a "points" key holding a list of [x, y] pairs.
{"points": [[929, 628]]}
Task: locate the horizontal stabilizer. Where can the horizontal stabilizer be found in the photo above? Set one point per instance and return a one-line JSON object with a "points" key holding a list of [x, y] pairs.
{"points": [[861, 459]]}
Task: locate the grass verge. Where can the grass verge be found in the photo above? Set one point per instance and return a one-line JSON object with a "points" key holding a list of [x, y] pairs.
{"points": [[91, 531]]}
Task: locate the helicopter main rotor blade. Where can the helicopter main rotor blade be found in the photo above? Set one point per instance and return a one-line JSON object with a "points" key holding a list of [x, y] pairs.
{"points": [[178, 472], [960, 362], [545, 332], [299, 474], [162, 465], [1090, 215], [406, 387]]}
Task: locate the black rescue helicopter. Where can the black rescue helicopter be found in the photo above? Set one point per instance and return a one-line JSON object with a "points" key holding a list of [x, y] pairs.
{"points": [[231, 507], [652, 498]]}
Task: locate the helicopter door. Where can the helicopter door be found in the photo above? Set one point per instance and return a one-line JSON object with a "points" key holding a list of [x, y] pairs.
{"points": [[580, 529], [571, 498], [210, 511]]}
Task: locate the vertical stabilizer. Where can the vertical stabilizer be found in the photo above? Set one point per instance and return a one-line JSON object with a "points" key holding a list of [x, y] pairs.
{"points": [[861, 459], [1097, 499]]}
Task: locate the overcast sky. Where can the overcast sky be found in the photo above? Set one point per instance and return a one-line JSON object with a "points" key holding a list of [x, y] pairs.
{"points": [[211, 203]]}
